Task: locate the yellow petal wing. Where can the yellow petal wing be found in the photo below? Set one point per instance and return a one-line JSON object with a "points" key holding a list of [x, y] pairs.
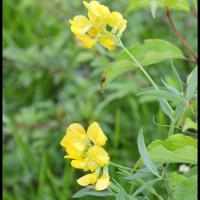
{"points": [[88, 179], [103, 182], [80, 25], [99, 155], [95, 134]]}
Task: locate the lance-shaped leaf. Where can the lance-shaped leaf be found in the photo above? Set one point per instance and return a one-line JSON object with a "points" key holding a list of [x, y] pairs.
{"points": [[163, 94], [91, 192], [145, 156], [192, 84]]}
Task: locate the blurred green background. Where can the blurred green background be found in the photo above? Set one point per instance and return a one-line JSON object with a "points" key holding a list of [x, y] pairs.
{"points": [[50, 81]]}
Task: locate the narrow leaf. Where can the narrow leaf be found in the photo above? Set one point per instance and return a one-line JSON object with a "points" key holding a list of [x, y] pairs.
{"points": [[91, 192], [163, 94], [192, 85], [144, 154], [176, 77], [165, 108]]}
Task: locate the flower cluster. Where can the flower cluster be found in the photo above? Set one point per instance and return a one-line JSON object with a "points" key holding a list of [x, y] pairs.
{"points": [[87, 153], [101, 26]]}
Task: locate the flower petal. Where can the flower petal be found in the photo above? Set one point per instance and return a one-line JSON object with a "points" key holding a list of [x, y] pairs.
{"points": [[97, 13], [80, 25], [99, 155], [87, 41], [95, 134], [103, 182], [79, 163], [75, 141], [117, 22], [107, 42], [88, 179]]}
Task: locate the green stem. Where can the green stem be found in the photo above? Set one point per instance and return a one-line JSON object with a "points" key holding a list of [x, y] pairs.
{"points": [[182, 115], [119, 166], [165, 178], [172, 124], [171, 127], [138, 64]]}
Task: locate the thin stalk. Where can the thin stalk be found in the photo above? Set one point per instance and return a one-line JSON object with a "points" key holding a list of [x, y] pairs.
{"points": [[179, 35], [171, 127], [182, 115], [138, 64], [119, 166], [165, 179]]}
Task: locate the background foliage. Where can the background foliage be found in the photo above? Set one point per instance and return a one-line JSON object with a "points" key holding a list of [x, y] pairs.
{"points": [[50, 81]]}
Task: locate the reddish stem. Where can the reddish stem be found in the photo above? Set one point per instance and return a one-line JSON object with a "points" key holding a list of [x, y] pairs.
{"points": [[179, 35]]}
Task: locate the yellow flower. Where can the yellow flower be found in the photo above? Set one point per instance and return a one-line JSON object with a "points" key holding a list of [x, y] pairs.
{"points": [[108, 42], [117, 22], [80, 26], [88, 179], [96, 135], [75, 141], [94, 28], [87, 153], [99, 155], [104, 181], [87, 40], [97, 13], [91, 165], [79, 163]]}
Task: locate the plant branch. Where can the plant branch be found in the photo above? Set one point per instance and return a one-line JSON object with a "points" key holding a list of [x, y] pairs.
{"points": [[119, 166], [179, 35]]}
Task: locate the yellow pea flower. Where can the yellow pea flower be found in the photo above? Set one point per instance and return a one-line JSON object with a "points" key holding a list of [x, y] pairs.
{"points": [[75, 141], [94, 28], [88, 179], [104, 181], [79, 163], [98, 154], [117, 22], [87, 41], [108, 42], [91, 165], [80, 25], [74, 151], [96, 135], [97, 13], [86, 151]]}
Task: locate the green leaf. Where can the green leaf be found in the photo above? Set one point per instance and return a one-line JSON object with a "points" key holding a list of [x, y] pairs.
{"points": [[179, 110], [183, 188], [91, 192], [144, 154], [172, 4], [177, 77], [145, 186], [163, 94], [170, 88], [177, 148], [114, 70], [152, 51], [165, 108], [192, 84]]}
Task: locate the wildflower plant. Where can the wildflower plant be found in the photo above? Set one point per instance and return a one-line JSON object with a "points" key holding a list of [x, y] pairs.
{"points": [[86, 149]]}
